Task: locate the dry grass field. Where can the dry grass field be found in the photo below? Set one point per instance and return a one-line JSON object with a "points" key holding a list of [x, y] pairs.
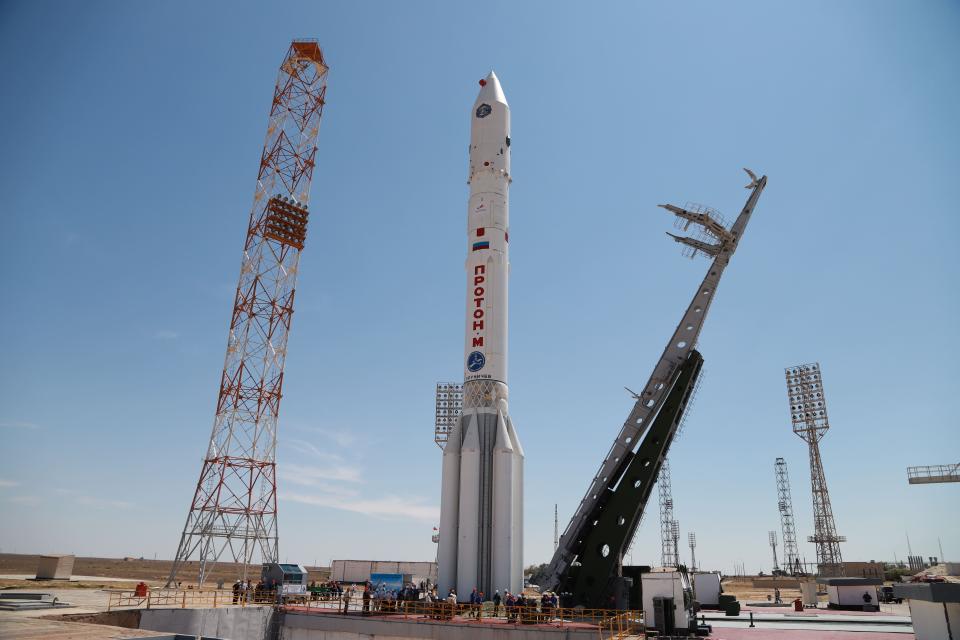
{"points": [[746, 592], [130, 570]]}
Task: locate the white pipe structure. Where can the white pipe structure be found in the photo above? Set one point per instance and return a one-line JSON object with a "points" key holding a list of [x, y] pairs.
{"points": [[481, 508]]}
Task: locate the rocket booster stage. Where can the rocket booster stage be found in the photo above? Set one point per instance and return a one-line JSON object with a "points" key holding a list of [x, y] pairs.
{"points": [[481, 508]]}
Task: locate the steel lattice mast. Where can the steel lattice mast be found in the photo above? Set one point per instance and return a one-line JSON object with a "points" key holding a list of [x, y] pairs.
{"points": [[785, 505], [234, 508], [808, 411], [669, 554]]}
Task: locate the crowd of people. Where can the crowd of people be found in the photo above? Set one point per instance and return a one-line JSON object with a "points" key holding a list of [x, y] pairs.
{"points": [[244, 591], [418, 599]]}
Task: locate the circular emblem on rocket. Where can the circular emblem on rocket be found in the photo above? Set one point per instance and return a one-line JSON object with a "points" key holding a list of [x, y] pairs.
{"points": [[475, 361], [483, 110]]}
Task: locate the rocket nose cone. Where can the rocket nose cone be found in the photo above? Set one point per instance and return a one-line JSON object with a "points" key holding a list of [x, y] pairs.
{"points": [[490, 90]]}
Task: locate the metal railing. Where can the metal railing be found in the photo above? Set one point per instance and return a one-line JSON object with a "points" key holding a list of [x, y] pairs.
{"points": [[611, 623], [934, 473], [183, 598]]}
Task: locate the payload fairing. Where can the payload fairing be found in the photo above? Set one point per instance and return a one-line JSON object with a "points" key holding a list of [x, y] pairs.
{"points": [[481, 504]]}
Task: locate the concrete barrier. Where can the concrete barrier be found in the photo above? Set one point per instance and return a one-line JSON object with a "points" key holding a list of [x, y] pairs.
{"points": [[230, 623], [306, 626]]}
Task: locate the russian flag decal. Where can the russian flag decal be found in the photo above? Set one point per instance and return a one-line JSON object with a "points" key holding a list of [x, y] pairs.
{"points": [[477, 246]]}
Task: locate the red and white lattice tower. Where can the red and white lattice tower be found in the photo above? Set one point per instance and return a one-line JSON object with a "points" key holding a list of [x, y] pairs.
{"points": [[233, 515]]}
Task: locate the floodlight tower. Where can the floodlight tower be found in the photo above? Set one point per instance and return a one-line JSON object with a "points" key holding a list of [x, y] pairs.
{"points": [[773, 547], [692, 540], [234, 507], [808, 411], [785, 504], [668, 550], [449, 400]]}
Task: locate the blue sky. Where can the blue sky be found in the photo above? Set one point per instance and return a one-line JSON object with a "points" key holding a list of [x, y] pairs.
{"points": [[131, 135]]}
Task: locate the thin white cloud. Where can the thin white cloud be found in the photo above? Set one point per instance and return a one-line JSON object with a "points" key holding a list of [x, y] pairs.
{"points": [[90, 501], [28, 500], [341, 437], [166, 334], [310, 449], [8, 483], [93, 501], [385, 507], [18, 425], [312, 476]]}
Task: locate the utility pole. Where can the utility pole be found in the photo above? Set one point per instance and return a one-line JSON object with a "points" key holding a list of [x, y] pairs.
{"points": [[234, 508]]}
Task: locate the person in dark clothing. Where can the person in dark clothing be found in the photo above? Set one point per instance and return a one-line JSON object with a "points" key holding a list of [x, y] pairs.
{"points": [[236, 591], [496, 604], [366, 600]]}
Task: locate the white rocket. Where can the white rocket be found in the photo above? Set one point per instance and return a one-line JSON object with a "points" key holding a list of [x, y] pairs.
{"points": [[481, 504]]}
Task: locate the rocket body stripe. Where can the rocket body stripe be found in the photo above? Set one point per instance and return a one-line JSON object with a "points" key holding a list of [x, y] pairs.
{"points": [[488, 510]]}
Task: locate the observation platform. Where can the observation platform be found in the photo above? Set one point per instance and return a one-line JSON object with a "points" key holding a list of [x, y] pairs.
{"points": [[934, 474]]}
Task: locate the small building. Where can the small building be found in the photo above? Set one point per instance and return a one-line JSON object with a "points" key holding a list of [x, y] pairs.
{"points": [[851, 593], [55, 567], [360, 570], [870, 569], [934, 608], [291, 579]]}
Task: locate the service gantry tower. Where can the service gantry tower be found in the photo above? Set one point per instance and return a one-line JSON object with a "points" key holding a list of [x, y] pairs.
{"points": [[233, 514], [791, 554], [588, 562], [808, 413]]}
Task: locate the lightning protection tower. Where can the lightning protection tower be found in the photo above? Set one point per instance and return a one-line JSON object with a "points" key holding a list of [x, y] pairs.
{"points": [[808, 411], [791, 554], [233, 514], [668, 550]]}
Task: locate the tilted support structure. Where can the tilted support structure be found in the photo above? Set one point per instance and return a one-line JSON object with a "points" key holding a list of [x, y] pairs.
{"points": [[233, 514], [591, 549]]}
